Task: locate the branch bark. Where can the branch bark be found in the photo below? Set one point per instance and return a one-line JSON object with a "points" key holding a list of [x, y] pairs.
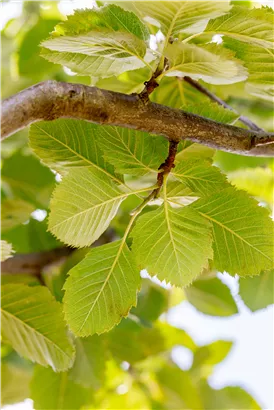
{"points": [[219, 101], [50, 100], [33, 263]]}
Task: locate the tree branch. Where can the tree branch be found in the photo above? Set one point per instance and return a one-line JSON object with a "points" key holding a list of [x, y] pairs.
{"points": [[33, 263], [219, 101], [50, 100]]}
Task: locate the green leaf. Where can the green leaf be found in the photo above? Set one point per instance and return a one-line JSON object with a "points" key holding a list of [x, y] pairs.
{"points": [[250, 26], [14, 383], [101, 289], [14, 212], [211, 63], [175, 17], [26, 178], [257, 292], [200, 177], [179, 391], [6, 250], [32, 323], [174, 244], [258, 60], [242, 232], [213, 111], [65, 144], [89, 366], [30, 64], [132, 152], [83, 205], [211, 297], [207, 356], [50, 391], [257, 182], [102, 43], [145, 341], [227, 398], [31, 237]]}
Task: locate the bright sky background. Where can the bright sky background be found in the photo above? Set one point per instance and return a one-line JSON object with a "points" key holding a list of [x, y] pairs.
{"points": [[250, 362]]}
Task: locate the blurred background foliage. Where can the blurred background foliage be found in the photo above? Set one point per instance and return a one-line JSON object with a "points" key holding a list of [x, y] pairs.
{"points": [[131, 366]]}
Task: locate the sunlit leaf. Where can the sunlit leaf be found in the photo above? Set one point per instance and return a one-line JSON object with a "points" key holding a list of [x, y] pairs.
{"points": [[242, 232], [83, 205], [200, 177], [32, 323], [174, 244], [132, 152], [6, 250], [99, 42], [101, 289], [251, 26], [211, 63]]}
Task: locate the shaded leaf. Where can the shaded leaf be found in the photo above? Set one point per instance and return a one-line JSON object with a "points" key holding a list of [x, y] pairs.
{"points": [[213, 111], [14, 212], [32, 323], [212, 297], [89, 366], [257, 292], [101, 289], [242, 232], [174, 244], [50, 391], [14, 383]]}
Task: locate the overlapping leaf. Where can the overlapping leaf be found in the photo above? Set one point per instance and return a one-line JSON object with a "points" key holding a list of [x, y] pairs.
{"points": [[83, 205], [89, 366], [65, 144], [132, 152], [211, 297], [14, 212], [258, 59], [103, 42], [50, 390], [257, 292], [200, 177], [242, 232], [211, 63], [213, 111], [251, 26], [101, 289], [174, 244], [174, 17], [6, 250], [32, 323]]}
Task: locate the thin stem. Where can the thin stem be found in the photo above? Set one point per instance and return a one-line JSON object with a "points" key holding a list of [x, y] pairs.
{"points": [[219, 101]]}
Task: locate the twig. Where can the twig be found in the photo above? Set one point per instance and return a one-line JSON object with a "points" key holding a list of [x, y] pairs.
{"points": [[50, 100], [219, 101]]}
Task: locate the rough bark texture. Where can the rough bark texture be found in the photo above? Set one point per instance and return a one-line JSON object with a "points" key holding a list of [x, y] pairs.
{"points": [[50, 100]]}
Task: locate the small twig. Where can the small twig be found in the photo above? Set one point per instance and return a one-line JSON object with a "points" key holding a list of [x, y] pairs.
{"points": [[219, 101], [166, 167], [152, 83]]}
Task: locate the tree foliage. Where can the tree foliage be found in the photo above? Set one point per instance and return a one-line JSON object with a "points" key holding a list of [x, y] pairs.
{"points": [[124, 201]]}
